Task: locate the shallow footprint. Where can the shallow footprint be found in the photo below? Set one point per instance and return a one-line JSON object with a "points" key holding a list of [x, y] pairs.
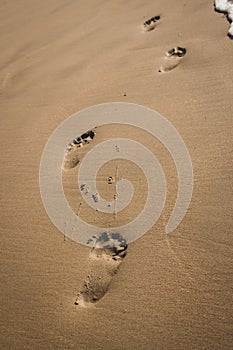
{"points": [[150, 23], [172, 59], [105, 258], [73, 150]]}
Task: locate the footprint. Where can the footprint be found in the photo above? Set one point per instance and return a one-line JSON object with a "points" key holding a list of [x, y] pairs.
{"points": [[107, 254], [150, 23], [72, 155], [172, 59]]}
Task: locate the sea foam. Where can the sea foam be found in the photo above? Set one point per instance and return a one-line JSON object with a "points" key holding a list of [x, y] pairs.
{"points": [[226, 6]]}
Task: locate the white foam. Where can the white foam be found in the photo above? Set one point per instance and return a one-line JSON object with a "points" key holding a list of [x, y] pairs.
{"points": [[226, 6]]}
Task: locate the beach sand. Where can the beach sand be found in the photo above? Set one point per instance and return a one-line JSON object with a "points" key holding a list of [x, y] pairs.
{"points": [[171, 291]]}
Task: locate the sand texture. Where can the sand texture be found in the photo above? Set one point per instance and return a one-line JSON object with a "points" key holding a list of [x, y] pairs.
{"points": [[169, 291]]}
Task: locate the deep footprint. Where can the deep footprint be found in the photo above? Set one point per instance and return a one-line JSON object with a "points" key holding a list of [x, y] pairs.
{"points": [[150, 23], [173, 58], [107, 254]]}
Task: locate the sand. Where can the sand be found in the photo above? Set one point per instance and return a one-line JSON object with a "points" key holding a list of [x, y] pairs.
{"points": [[170, 292]]}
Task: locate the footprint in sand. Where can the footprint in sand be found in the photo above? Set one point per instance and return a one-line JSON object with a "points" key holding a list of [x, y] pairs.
{"points": [[107, 254], [172, 59], [150, 24], [73, 151]]}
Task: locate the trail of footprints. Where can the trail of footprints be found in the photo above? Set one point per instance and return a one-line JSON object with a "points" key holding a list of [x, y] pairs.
{"points": [[174, 56], [105, 258], [109, 249]]}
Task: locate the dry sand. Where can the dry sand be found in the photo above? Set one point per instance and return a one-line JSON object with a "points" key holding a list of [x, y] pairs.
{"points": [[171, 292]]}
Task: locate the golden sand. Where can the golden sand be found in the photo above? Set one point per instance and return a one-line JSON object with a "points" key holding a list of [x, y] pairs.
{"points": [[171, 292]]}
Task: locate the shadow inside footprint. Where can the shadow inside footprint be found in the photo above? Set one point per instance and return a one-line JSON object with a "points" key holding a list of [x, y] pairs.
{"points": [[173, 58], [176, 52], [109, 249]]}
